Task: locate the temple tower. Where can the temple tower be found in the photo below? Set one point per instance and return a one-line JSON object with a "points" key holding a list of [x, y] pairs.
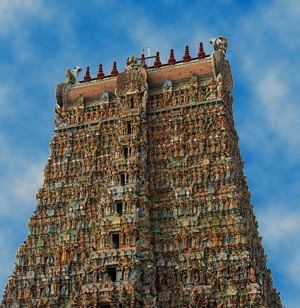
{"points": [[144, 201]]}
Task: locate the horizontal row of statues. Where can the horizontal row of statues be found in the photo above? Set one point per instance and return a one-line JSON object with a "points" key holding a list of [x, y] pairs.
{"points": [[108, 108]]}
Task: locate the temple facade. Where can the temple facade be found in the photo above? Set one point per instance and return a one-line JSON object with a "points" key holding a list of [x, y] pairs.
{"points": [[144, 201]]}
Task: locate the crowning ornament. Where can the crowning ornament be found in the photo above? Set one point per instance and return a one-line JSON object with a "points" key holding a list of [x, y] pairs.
{"points": [[132, 81]]}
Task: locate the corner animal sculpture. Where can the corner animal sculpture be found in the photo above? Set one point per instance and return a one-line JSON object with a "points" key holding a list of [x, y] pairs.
{"points": [[72, 76], [61, 92], [219, 44]]}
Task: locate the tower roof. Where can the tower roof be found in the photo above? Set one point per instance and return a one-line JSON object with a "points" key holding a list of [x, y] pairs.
{"points": [[173, 70]]}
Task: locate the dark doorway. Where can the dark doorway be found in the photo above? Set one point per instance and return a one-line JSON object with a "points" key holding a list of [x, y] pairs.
{"points": [[116, 240], [125, 151], [112, 273], [122, 178], [131, 102], [129, 129], [119, 207]]}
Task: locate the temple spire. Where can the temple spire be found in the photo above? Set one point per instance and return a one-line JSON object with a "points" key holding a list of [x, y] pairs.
{"points": [[87, 76], [100, 74], [171, 60], [157, 62], [114, 71], [186, 56], [201, 53]]}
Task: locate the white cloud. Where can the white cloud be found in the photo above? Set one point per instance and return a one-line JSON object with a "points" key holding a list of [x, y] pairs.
{"points": [[25, 185], [267, 53], [279, 225], [280, 105], [19, 181], [294, 267], [14, 12], [272, 88], [282, 17]]}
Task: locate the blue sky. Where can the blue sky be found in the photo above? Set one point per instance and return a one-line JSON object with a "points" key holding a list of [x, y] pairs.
{"points": [[40, 39]]}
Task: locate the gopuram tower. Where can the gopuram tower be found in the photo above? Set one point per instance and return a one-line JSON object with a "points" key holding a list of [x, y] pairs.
{"points": [[144, 201]]}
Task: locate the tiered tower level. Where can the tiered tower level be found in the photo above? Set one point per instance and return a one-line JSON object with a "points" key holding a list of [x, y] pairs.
{"points": [[144, 201]]}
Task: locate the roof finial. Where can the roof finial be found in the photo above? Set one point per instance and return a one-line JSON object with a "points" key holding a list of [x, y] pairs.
{"points": [[186, 56], [201, 53], [87, 76], [114, 71], [172, 60], [157, 62], [100, 74], [143, 60]]}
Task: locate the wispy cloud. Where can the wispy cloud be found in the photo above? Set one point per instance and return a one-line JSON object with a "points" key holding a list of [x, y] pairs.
{"points": [[280, 104], [270, 71], [21, 175], [15, 12], [280, 226]]}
